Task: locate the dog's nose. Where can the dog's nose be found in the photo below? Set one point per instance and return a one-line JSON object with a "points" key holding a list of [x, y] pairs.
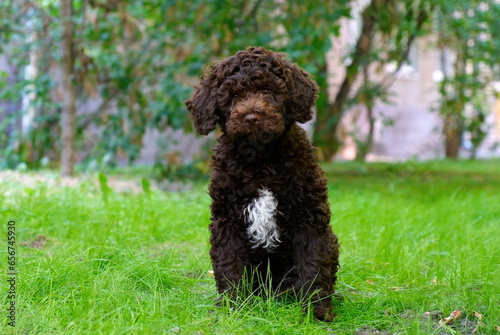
{"points": [[251, 119]]}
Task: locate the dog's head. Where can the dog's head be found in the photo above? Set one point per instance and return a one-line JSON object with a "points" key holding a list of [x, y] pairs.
{"points": [[254, 92]]}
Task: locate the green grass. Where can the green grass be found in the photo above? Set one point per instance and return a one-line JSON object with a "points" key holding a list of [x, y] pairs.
{"points": [[416, 238]]}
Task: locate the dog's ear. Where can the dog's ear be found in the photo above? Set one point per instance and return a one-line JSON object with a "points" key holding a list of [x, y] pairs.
{"points": [[203, 105], [303, 93]]}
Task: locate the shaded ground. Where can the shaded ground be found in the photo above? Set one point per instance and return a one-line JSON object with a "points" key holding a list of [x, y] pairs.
{"points": [[118, 183]]}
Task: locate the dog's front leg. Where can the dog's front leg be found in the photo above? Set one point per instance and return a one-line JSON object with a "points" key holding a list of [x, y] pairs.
{"points": [[316, 262], [229, 257]]}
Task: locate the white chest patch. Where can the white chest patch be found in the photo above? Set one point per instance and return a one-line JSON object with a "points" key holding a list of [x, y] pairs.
{"points": [[260, 214]]}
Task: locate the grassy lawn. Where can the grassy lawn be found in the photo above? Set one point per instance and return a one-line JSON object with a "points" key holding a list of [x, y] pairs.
{"points": [[419, 240]]}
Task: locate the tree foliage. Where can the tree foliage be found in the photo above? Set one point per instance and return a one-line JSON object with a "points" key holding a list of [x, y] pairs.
{"points": [[467, 32], [135, 63], [136, 60]]}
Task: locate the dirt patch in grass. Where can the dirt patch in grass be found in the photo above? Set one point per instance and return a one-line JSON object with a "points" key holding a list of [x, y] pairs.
{"points": [[430, 320], [462, 325], [121, 185], [32, 179], [37, 243]]}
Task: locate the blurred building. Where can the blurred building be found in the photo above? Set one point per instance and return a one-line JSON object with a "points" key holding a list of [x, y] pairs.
{"points": [[411, 126]]}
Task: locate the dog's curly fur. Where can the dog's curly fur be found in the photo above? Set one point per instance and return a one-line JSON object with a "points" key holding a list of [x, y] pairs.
{"points": [[270, 208]]}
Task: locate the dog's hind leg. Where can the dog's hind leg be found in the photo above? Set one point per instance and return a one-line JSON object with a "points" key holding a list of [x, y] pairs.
{"points": [[316, 262]]}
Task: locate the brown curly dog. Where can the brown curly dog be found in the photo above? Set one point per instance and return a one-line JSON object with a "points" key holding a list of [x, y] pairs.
{"points": [[270, 211]]}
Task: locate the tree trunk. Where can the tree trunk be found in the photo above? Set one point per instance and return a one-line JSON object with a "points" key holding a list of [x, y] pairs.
{"points": [[329, 120], [365, 146], [452, 134], [68, 116], [453, 118]]}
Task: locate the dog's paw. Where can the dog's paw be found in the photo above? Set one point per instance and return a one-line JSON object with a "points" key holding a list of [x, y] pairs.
{"points": [[323, 314]]}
